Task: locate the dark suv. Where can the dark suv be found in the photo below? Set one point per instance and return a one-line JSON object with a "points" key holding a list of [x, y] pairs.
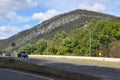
{"points": [[23, 54]]}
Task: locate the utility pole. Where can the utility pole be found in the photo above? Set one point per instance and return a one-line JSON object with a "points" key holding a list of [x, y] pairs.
{"points": [[90, 40], [90, 43], [47, 46]]}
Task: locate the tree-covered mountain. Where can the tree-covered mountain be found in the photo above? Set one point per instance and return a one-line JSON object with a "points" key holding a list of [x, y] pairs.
{"points": [[46, 30], [98, 38]]}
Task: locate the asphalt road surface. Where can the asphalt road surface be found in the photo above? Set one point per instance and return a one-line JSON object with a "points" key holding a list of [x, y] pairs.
{"points": [[108, 73], [6, 74]]}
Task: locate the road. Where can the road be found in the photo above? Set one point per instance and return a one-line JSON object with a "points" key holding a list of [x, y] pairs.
{"points": [[108, 73], [6, 74]]}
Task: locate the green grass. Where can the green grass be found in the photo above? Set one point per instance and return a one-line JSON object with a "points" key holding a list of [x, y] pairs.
{"points": [[85, 61], [28, 67]]}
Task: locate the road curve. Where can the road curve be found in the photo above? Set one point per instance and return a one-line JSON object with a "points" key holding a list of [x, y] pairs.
{"points": [[6, 74], [108, 73]]}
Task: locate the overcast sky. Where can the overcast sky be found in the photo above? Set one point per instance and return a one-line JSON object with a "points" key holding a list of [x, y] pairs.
{"points": [[18, 15]]}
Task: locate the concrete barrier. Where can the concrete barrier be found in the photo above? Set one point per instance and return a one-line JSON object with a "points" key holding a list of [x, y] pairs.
{"points": [[79, 57]]}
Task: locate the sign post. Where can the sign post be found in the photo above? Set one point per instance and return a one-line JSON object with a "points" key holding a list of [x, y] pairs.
{"points": [[13, 44]]}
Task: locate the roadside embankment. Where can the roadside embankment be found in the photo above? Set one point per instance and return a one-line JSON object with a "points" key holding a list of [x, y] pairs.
{"points": [[98, 61], [39, 69]]}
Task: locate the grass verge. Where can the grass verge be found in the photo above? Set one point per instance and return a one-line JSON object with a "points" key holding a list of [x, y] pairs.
{"points": [[84, 61], [23, 66]]}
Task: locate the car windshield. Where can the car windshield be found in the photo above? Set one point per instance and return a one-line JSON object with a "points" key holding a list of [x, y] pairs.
{"points": [[23, 52]]}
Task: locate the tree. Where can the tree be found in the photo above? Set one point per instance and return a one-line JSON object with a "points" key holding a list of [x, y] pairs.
{"points": [[77, 42], [40, 46]]}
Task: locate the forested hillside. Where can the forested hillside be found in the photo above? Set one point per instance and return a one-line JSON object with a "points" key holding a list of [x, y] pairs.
{"points": [[102, 35], [47, 29]]}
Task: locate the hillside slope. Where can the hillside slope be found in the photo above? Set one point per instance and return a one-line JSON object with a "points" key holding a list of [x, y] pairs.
{"points": [[48, 28]]}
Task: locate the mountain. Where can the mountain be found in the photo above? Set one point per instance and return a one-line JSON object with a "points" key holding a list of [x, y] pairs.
{"points": [[63, 22]]}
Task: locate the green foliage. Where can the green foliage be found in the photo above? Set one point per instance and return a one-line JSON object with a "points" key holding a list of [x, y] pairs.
{"points": [[21, 38], [72, 38], [102, 33], [63, 50], [40, 46], [2, 51], [27, 47]]}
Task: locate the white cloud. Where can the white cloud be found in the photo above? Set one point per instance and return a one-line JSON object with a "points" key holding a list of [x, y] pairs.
{"points": [[8, 12], [45, 15], [27, 26], [62, 6], [17, 4], [12, 5], [12, 16], [103, 1], [68, 5], [3, 35], [9, 29], [8, 9], [95, 7]]}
